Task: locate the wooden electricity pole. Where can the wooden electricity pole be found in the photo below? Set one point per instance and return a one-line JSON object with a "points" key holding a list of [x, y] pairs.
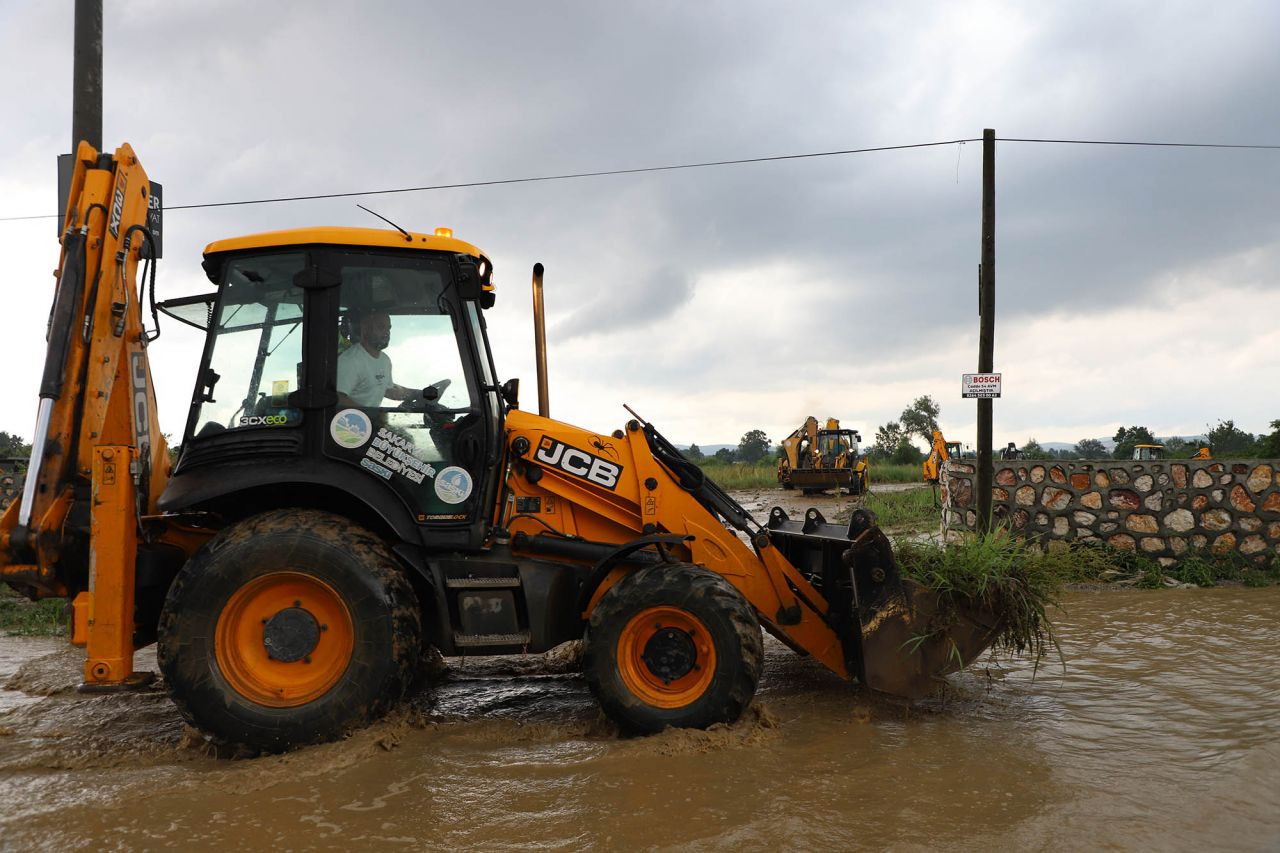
{"points": [[86, 74], [986, 325], [86, 93]]}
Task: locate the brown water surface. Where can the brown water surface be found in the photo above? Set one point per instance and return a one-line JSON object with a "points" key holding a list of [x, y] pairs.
{"points": [[1162, 733]]}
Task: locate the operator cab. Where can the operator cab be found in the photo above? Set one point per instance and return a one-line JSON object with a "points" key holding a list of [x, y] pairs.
{"points": [[834, 442], [344, 363], [1145, 452]]}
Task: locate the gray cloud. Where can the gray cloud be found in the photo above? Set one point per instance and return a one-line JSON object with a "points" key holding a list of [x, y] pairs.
{"points": [[872, 256]]}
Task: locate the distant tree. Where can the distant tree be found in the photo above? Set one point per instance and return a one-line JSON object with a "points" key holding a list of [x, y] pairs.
{"points": [[13, 445], [1091, 448], [753, 446], [921, 418], [724, 454], [906, 453], [1031, 449], [1269, 445], [888, 438], [1176, 447], [694, 452], [1227, 439], [1127, 437]]}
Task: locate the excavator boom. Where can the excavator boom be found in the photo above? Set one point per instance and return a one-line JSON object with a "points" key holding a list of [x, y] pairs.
{"points": [[98, 460]]}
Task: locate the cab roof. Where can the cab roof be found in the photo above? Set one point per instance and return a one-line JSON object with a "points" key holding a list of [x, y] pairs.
{"points": [[330, 235]]}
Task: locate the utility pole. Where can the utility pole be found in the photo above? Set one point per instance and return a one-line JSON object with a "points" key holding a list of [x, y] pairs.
{"points": [[86, 72], [986, 325], [86, 93]]}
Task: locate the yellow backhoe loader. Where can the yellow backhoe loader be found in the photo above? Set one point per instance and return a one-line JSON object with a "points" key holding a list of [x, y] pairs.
{"points": [[818, 458], [356, 486], [940, 451]]}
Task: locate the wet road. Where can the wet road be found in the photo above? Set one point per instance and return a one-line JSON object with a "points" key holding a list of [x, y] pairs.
{"points": [[1161, 733]]}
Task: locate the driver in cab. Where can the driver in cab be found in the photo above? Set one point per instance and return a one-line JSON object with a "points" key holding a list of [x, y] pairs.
{"points": [[364, 370]]}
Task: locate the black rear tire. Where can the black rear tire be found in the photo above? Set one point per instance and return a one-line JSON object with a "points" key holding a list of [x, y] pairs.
{"points": [[709, 651], [355, 582]]}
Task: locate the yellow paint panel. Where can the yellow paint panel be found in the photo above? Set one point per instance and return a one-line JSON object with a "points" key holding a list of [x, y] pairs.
{"points": [[379, 237]]}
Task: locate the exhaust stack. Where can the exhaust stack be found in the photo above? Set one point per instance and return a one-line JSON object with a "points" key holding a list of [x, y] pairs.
{"points": [[540, 342]]}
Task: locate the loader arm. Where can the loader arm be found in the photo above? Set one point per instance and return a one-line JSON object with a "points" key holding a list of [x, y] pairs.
{"points": [[98, 460], [824, 590]]}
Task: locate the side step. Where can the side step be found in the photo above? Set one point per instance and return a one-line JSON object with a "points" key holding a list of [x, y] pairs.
{"points": [[471, 641]]}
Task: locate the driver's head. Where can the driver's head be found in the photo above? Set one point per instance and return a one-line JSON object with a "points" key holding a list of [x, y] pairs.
{"points": [[375, 330]]}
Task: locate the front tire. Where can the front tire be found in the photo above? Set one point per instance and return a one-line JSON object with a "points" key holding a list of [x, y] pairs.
{"points": [[290, 627], [673, 645]]}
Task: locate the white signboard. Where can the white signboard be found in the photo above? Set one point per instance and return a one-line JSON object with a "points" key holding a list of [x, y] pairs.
{"points": [[981, 385]]}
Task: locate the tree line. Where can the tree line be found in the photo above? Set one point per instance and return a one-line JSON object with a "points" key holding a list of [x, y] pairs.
{"points": [[895, 442]]}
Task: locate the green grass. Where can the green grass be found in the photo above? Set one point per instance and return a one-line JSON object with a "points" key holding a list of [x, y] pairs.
{"points": [[885, 472], [908, 510], [997, 574], [20, 617], [742, 475], [1094, 562]]}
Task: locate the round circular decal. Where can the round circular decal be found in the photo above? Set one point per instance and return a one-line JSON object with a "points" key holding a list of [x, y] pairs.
{"points": [[453, 485], [350, 428]]}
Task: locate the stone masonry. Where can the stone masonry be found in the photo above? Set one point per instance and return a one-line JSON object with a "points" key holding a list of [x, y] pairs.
{"points": [[1161, 508]]}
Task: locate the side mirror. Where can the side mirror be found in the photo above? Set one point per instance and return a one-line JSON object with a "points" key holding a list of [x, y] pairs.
{"points": [[511, 393]]}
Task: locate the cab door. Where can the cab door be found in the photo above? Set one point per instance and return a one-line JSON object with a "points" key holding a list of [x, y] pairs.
{"points": [[413, 409]]}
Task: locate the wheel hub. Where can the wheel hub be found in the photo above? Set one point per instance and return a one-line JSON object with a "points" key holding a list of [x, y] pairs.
{"points": [[670, 654], [291, 635]]}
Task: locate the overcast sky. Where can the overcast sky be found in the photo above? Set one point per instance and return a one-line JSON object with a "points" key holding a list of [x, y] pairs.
{"points": [[1134, 285]]}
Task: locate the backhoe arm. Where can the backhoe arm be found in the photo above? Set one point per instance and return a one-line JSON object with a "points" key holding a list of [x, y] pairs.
{"points": [[98, 461]]}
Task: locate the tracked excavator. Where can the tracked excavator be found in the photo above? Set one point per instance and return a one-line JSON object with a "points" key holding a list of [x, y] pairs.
{"points": [[816, 458], [325, 526]]}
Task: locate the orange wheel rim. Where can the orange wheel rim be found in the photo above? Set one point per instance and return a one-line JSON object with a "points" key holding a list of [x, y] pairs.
{"points": [[284, 639], [666, 657]]}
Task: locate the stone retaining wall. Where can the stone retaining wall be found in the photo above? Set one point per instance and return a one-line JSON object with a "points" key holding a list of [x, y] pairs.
{"points": [[1162, 508]]}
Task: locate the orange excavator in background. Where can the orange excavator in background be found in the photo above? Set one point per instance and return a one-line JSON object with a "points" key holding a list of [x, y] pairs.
{"points": [[940, 451], [324, 525]]}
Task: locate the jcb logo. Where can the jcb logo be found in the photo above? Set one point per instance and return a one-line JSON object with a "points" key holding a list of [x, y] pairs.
{"points": [[579, 463], [141, 411]]}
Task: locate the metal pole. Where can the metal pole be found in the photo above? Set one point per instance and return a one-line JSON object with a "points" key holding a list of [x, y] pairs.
{"points": [[987, 325], [86, 74], [540, 343]]}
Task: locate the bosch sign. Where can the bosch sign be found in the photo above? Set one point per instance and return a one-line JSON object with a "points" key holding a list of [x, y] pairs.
{"points": [[980, 385]]}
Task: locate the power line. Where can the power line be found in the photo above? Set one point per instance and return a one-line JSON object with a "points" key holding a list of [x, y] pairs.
{"points": [[679, 166], [564, 177], [1146, 144]]}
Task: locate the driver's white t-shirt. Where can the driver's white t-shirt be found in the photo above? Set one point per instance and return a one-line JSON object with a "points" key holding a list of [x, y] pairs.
{"points": [[362, 377]]}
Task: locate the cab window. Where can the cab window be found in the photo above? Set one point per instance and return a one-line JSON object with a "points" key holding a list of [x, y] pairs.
{"points": [[255, 358]]}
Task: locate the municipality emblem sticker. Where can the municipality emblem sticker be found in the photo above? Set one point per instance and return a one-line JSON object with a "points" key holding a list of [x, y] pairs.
{"points": [[453, 485], [350, 428]]}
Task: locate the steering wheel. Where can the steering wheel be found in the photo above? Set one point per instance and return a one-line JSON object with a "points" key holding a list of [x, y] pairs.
{"points": [[433, 413]]}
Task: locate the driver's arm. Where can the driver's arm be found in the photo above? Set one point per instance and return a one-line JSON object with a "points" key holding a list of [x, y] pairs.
{"points": [[399, 392]]}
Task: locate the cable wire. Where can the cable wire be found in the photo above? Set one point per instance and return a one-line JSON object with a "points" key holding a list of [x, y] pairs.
{"points": [[679, 166]]}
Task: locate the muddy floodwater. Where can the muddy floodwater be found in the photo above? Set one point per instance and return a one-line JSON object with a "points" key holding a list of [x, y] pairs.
{"points": [[1163, 732]]}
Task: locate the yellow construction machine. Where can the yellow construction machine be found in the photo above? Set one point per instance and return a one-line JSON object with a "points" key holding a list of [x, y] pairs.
{"points": [[356, 486], [940, 451], [817, 458]]}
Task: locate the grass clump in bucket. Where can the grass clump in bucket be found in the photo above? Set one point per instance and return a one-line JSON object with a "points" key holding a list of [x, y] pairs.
{"points": [[996, 574]]}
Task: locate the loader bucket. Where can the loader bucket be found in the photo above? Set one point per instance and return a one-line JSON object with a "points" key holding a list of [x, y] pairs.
{"points": [[899, 636]]}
